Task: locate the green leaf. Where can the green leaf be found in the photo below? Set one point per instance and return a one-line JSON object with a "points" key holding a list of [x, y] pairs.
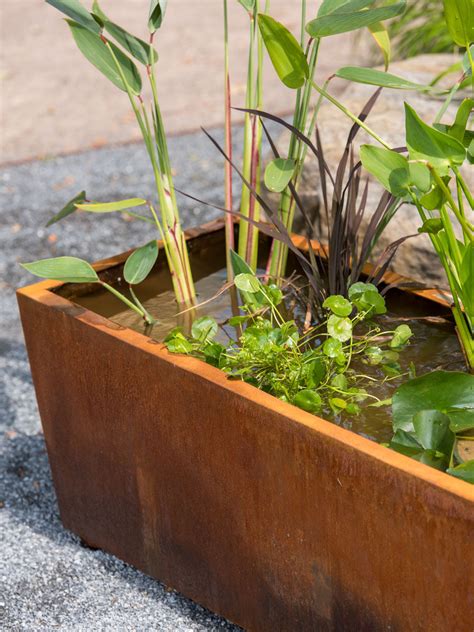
{"points": [[247, 283], [342, 6], [465, 471], [389, 167], [75, 10], [374, 77], [204, 328], [249, 5], [342, 22], [332, 347], [458, 128], [401, 336], [110, 207], [308, 400], [176, 342], [435, 198], [366, 298], [432, 431], [95, 51], [431, 226], [240, 266], [467, 278], [459, 16], [380, 34], [316, 372], [156, 14], [426, 143], [133, 45], [339, 328], [278, 174], [286, 54], [461, 419], [67, 269], [338, 305], [140, 263], [439, 390], [68, 209]]}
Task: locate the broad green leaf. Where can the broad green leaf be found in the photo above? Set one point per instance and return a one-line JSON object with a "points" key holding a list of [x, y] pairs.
{"points": [[247, 283], [176, 342], [338, 305], [375, 77], [426, 143], [342, 6], [465, 471], [204, 328], [110, 207], [308, 400], [96, 51], [432, 431], [140, 263], [389, 167], [278, 174], [67, 269], [286, 54], [68, 209], [435, 198], [380, 34], [420, 176], [461, 419], [133, 45], [75, 10], [332, 347], [459, 16], [341, 22], [156, 14], [439, 390], [340, 328]]}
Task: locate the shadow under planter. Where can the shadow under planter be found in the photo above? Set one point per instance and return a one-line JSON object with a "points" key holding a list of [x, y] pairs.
{"points": [[266, 514]]}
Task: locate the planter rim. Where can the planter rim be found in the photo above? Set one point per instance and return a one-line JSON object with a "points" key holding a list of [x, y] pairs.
{"points": [[42, 292]]}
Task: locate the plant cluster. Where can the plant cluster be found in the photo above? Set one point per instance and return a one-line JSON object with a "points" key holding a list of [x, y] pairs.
{"points": [[313, 368]]}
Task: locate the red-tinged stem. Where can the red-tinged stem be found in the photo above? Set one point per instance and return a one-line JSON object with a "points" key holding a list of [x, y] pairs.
{"points": [[229, 224]]}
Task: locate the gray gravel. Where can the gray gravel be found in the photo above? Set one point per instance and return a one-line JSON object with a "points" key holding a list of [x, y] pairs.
{"points": [[48, 581]]}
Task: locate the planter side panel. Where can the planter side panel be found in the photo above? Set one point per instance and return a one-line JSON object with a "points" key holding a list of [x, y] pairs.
{"points": [[272, 523]]}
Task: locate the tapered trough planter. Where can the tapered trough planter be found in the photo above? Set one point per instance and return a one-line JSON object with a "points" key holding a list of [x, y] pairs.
{"points": [[263, 513]]}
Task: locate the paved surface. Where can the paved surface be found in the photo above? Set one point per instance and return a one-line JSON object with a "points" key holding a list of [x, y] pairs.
{"points": [[54, 101], [47, 580]]}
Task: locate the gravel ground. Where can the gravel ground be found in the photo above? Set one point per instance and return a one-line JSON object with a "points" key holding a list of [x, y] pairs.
{"points": [[48, 581]]}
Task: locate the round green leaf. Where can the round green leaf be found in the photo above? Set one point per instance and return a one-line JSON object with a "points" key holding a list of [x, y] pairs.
{"points": [[333, 348], [287, 56], [431, 429], [67, 269], [339, 328], [338, 305], [278, 174], [401, 336], [439, 390], [204, 328], [308, 400], [140, 263], [465, 471], [247, 283]]}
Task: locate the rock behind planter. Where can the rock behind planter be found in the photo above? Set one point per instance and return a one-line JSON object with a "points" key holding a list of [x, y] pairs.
{"points": [[416, 258]]}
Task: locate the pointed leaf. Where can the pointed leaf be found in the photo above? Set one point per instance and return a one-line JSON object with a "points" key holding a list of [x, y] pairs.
{"points": [[389, 167], [156, 14], [426, 143], [380, 34], [375, 77], [247, 283], [75, 10], [140, 263], [342, 6], [458, 128], [249, 5], [339, 22], [279, 173], [287, 56], [68, 209], [67, 269], [95, 50], [459, 16], [110, 207]]}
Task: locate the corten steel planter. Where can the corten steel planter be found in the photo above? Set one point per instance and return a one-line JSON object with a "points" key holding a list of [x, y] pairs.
{"points": [[266, 514]]}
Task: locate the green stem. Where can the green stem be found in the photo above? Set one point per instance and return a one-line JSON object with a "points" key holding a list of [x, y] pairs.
{"points": [[146, 314], [123, 298]]}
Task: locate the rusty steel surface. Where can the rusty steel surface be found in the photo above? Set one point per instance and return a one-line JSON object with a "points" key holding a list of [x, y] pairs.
{"points": [[263, 513]]}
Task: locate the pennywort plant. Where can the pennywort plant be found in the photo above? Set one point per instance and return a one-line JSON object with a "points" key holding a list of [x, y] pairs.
{"points": [[114, 52], [310, 367]]}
